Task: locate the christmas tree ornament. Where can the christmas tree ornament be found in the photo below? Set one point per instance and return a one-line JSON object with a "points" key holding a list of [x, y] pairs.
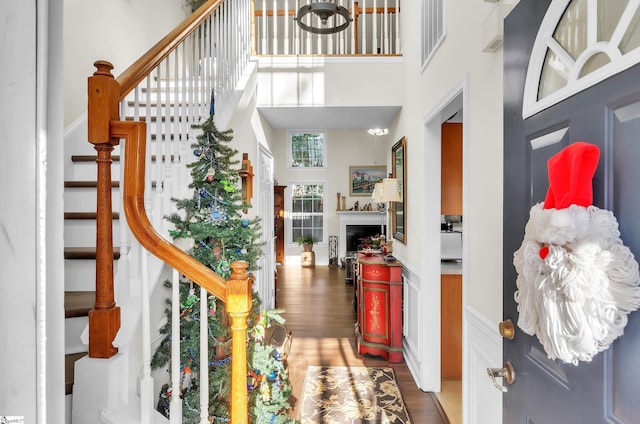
{"points": [[227, 186], [197, 152], [577, 281], [223, 268], [245, 223], [211, 174]]}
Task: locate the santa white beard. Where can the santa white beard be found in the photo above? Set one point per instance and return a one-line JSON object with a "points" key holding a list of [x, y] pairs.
{"points": [[577, 298]]}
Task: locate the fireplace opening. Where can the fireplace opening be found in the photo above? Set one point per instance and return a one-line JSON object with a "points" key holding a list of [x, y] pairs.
{"points": [[356, 232]]}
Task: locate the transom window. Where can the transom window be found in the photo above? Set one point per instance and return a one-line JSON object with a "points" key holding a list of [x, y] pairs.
{"points": [[307, 211], [580, 43], [307, 149]]}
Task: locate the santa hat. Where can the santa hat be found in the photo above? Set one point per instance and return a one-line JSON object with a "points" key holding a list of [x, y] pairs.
{"points": [[570, 175]]}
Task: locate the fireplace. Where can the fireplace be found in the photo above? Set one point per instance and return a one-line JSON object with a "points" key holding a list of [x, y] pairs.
{"points": [[364, 223], [354, 233]]}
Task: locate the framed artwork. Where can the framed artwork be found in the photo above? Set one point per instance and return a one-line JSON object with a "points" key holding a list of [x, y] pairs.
{"points": [[363, 178], [399, 171]]}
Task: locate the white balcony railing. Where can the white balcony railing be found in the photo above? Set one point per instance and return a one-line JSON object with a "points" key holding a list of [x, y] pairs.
{"points": [[374, 29]]}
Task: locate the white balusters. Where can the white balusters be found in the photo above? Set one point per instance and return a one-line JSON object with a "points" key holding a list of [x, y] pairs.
{"points": [[374, 29]]}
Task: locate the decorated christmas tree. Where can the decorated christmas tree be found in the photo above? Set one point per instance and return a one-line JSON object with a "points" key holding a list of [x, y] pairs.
{"points": [[212, 218]]}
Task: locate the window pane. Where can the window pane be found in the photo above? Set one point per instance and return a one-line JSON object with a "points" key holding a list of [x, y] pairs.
{"points": [[631, 39], [307, 150], [609, 14], [571, 32], [307, 219], [554, 75], [596, 61]]}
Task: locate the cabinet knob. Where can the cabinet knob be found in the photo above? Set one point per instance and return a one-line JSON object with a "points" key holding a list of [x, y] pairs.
{"points": [[507, 329]]}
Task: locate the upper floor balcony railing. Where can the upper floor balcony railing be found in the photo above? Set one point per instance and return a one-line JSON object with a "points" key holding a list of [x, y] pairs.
{"points": [[374, 29]]}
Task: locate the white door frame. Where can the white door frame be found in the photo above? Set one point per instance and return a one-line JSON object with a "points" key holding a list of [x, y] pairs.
{"points": [[266, 281], [455, 100]]}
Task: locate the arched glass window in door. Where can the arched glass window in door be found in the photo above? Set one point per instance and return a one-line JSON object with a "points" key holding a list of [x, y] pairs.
{"points": [[580, 43]]}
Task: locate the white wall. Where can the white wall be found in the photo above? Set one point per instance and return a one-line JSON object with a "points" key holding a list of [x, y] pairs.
{"points": [[31, 291], [459, 63], [325, 81], [344, 148], [118, 31], [460, 54]]}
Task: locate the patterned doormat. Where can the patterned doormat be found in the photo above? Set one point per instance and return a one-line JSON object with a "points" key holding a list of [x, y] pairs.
{"points": [[351, 395]]}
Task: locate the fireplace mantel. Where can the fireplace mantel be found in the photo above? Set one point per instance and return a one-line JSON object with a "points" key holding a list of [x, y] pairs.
{"points": [[357, 218]]}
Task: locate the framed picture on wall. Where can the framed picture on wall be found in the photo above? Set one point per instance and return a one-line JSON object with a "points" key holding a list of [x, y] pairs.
{"points": [[363, 178]]}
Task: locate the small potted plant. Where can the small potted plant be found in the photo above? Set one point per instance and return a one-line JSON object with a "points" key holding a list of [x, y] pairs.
{"points": [[306, 242]]}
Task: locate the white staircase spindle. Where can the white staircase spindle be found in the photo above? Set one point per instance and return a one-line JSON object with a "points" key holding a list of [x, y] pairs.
{"points": [[274, 18], [146, 383], [386, 28], [263, 43], [296, 32], [176, 402], [397, 51], [353, 27], [364, 27], [374, 29], [287, 24], [204, 358]]}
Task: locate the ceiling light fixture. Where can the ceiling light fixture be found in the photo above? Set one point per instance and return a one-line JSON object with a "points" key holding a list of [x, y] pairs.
{"points": [[378, 131], [323, 10]]}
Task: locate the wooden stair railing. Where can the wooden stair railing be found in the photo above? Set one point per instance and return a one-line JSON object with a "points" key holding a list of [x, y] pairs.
{"points": [[105, 130]]}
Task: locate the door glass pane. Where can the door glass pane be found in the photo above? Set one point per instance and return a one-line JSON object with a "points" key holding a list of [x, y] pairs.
{"points": [[554, 75], [631, 39], [609, 13], [571, 32], [594, 62]]}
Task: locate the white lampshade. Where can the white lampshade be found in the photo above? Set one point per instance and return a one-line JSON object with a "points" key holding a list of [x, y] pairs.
{"points": [[390, 190], [376, 196]]}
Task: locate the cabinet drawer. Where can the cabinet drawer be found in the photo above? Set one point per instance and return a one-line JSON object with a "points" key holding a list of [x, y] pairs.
{"points": [[375, 272]]}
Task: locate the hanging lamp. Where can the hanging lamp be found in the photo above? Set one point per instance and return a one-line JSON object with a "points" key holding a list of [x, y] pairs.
{"points": [[323, 10]]}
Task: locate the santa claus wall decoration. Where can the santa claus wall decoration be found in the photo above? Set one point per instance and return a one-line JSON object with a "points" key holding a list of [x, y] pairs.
{"points": [[576, 280]]}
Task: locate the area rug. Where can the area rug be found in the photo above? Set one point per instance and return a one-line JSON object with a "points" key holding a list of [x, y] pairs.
{"points": [[353, 395]]}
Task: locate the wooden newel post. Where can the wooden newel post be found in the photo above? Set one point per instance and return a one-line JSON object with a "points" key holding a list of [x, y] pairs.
{"points": [[103, 100], [238, 305]]}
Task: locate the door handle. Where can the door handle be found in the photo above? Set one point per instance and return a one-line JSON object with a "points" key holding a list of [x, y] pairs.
{"points": [[507, 373], [507, 329]]}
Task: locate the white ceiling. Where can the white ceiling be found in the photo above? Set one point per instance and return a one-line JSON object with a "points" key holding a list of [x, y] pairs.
{"points": [[330, 118]]}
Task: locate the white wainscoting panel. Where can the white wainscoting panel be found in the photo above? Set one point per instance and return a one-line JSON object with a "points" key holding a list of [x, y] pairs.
{"points": [[482, 349], [411, 321]]}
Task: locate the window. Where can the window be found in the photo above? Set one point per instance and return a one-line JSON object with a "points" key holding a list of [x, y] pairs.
{"points": [[579, 44], [432, 28], [307, 149], [307, 211]]}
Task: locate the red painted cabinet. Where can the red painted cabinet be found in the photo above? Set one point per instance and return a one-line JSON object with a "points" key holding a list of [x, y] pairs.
{"points": [[379, 304]]}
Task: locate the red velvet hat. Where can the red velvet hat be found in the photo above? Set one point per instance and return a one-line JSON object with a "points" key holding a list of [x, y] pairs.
{"points": [[570, 176]]}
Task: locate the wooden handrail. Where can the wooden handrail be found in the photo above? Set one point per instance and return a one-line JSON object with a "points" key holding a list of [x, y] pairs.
{"points": [[134, 133], [142, 67]]}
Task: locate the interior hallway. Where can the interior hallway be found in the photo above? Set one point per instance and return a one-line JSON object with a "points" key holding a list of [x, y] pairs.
{"points": [[320, 314]]}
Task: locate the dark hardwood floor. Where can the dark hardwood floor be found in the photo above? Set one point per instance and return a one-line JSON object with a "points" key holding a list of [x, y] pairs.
{"points": [[319, 312]]}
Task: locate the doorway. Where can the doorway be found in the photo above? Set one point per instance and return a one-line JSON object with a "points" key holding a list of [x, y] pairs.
{"points": [[436, 375]]}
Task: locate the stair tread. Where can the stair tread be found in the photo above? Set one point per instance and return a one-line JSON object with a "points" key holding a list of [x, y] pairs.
{"points": [[78, 303], [86, 253], [71, 184], [91, 158], [86, 215], [69, 365]]}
